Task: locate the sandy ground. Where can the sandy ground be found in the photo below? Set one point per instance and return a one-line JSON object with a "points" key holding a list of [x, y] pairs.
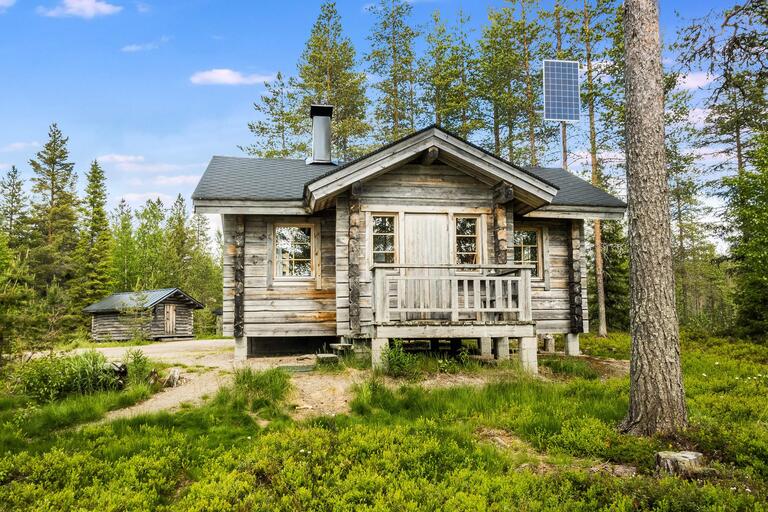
{"points": [[207, 365]]}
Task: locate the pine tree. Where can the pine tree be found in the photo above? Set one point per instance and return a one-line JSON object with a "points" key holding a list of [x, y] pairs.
{"points": [[327, 75], [18, 317], [152, 262], [54, 211], [656, 393], [279, 134], [14, 212], [124, 274], [94, 249], [392, 59], [448, 77], [178, 245], [497, 69]]}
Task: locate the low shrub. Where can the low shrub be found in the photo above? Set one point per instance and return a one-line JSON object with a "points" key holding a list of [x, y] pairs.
{"points": [[53, 377], [398, 362], [138, 365], [257, 391]]}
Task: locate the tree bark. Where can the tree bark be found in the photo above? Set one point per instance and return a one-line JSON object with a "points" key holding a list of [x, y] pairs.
{"points": [[656, 396]]}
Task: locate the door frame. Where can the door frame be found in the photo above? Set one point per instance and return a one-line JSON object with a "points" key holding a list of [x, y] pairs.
{"points": [[169, 313]]}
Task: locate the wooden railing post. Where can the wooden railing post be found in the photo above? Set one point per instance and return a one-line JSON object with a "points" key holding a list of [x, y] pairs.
{"points": [[524, 295], [454, 296]]}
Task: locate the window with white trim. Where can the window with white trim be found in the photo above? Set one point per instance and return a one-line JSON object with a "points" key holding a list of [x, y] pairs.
{"points": [[384, 238], [293, 252], [526, 248], [467, 241]]}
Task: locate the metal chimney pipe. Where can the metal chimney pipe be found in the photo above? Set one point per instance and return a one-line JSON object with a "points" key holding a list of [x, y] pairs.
{"points": [[321, 134]]}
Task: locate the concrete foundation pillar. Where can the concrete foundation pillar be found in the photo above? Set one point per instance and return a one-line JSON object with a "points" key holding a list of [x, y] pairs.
{"points": [[502, 347], [378, 345], [528, 357], [241, 349], [572, 344], [485, 345], [549, 343]]}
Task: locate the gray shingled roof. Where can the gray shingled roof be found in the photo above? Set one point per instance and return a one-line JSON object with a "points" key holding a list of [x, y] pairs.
{"points": [[574, 191], [263, 179], [143, 300]]}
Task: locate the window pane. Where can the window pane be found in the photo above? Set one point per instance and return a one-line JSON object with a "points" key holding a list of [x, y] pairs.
{"points": [[531, 254], [383, 224], [529, 237], [467, 259], [466, 244], [293, 251], [466, 226], [517, 254], [383, 257], [384, 243]]}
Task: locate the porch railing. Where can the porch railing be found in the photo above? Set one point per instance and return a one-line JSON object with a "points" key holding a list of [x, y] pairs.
{"points": [[451, 293]]}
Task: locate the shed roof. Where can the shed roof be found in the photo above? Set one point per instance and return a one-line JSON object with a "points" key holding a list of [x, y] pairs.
{"points": [[142, 299]]}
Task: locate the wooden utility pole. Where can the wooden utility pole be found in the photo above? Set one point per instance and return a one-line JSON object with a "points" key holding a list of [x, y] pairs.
{"points": [[602, 328], [656, 396]]}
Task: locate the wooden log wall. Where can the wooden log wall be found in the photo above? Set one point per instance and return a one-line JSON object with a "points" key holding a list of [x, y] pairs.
{"points": [[355, 258], [238, 263], [575, 256], [272, 308]]}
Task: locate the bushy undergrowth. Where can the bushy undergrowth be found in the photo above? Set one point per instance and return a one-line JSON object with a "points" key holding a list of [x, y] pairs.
{"points": [[406, 449], [55, 376], [398, 362]]}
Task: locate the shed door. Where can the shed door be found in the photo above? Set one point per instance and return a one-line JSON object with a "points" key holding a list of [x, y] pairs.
{"points": [[427, 242], [170, 319]]}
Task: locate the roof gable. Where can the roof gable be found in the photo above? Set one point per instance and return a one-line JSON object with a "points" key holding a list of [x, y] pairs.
{"points": [[458, 153], [140, 300]]}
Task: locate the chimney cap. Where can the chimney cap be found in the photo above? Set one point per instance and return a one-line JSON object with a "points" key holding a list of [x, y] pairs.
{"points": [[320, 110]]}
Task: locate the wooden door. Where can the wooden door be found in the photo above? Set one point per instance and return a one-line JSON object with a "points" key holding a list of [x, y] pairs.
{"points": [[170, 319], [427, 241]]}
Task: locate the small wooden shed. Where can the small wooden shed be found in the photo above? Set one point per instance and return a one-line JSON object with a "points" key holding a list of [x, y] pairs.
{"points": [[154, 314]]}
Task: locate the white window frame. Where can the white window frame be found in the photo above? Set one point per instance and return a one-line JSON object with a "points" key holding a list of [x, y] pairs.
{"points": [[479, 238], [312, 249], [539, 249]]}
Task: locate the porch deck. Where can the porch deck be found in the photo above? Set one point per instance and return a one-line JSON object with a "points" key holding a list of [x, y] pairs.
{"points": [[452, 301]]}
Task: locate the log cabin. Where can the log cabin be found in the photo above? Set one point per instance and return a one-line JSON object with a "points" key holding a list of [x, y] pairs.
{"points": [[162, 314], [427, 238]]}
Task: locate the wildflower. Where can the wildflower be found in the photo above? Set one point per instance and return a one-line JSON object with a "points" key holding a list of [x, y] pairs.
{"points": [[703, 374]]}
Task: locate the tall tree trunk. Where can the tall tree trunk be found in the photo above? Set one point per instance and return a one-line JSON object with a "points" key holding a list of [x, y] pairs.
{"points": [[602, 328], [564, 136], [496, 131], [656, 396]]}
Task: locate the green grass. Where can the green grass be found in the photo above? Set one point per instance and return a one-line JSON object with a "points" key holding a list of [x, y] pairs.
{"points": [[568, 367], [87, 343], [411, 448]]}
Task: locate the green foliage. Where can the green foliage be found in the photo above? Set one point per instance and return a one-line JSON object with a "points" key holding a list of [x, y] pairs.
{"points": [[14, 208], [327, 75], [138, 365], [616, 345], [569, 366], [398, 362], [396, 110], [256, 391], [748, 213], [55, 376]]}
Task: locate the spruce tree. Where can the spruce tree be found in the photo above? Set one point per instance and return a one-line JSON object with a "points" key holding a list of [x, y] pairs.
{"points": [[392, 60], [14, 211], [179, 242], [152, 263], [54, 211], [327, 74], [279, 134], [123, 274], [18, 311], [448, 79], [94, 249]]}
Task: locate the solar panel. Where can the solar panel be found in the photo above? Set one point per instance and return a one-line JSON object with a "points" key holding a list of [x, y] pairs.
{"points": [[561, 90]]}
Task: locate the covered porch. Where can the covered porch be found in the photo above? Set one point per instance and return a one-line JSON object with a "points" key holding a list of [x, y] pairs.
{"points": [[490, 303]]}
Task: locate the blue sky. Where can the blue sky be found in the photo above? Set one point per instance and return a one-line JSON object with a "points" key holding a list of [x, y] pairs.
{"points": [[153, 89]]}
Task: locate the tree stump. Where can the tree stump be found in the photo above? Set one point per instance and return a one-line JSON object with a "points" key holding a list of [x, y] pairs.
{"points": [[685, 464], [174, 376]]}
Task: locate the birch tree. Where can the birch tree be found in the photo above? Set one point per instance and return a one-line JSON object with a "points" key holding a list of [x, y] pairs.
{"points": [[657, 399]]}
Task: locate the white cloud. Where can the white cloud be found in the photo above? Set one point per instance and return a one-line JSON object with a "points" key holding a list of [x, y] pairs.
{"points": [[184, 179], [137, 163], [80, 9], [223, 76], [5, 4], [145, 47], [604, 156], [18, 146], [142, 197], [695, 80], [143, 8]]}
